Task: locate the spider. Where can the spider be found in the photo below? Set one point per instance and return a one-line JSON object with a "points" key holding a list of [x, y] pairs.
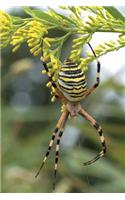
{"points": [[71, 89]]}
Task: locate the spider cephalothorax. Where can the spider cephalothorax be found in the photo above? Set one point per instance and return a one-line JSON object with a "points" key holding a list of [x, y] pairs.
{"points": [[71, 89]]}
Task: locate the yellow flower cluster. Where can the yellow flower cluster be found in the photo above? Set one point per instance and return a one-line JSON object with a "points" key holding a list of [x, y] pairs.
{"points": [[5, 28], [36, 31], [77, 49], [53, 65], [32, 33], [18, 38], [63, 108], [52, 61], [49, 57]]}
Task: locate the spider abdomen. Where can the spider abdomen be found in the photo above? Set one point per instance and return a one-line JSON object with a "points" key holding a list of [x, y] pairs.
{"points": [[72, 81]]}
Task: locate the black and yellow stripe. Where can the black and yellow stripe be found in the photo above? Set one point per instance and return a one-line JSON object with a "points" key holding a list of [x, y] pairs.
{"points": [[72, 81], [100, 132], [58, 138], [102, 139], [57, 155], [49, 75], [48, 151], [61, 121]]}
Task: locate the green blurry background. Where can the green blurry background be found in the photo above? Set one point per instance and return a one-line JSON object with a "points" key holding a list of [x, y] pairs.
{"points": [[28, 119]]}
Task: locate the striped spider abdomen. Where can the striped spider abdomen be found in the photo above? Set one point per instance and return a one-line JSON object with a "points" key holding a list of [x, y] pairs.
{"points": [[71, 81]]}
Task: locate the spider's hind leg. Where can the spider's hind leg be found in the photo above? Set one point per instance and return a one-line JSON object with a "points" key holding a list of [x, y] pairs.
{"points": [[100, 132], [51, 142], [66, 114]]}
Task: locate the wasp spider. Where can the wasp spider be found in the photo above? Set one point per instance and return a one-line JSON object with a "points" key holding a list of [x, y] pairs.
{"points": [[71, 89]]}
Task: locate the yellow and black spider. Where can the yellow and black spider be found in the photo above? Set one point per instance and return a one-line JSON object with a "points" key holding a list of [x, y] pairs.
{"points": [[71, 89]]}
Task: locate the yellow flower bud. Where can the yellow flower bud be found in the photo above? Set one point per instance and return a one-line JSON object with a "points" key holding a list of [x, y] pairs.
{"points": [[30, 40], [63, 108], [54, 78], [80, 31], [53, 99], [49, 84], [5, 28], [32, 35], [16, 48], [16, 41], [46, 42], [53, 90], [49, 64], [3, 34], [32, 50], [44, 72], [37, 52]]}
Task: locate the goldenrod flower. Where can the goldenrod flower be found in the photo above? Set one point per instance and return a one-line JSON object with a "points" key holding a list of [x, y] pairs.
{"points": [[53, 99], [35, 34], [54, 62], [5, 28], [18, 38], [63, 108], [46, 41], [44, 71], [49, 84], [31, 32]]}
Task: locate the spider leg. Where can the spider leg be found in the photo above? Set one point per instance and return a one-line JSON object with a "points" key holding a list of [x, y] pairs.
{"points": [[56, 92], [47, 70], [49, 75], [100, 132], [58, 145], [90, 90], [51, 142]]}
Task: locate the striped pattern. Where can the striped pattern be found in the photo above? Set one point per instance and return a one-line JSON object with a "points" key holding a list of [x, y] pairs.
{"points": [[97, 75], [60, 133], [49, 75], [103, 151], [100, 132], [72, 81], [57, 129], [57, 155], [48, 151]]}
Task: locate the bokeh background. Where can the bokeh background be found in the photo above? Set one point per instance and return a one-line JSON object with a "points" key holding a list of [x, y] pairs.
{"points": [[28, 119]]}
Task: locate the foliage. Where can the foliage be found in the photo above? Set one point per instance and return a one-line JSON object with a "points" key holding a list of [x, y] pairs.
{"points": [[82, 22]]}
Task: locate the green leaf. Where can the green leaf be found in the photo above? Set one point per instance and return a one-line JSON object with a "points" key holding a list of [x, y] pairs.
{"points": [[40, 14], [114, 12]]}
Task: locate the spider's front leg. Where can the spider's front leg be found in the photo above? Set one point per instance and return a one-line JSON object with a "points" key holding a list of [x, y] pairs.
{"points": [[100, 132], [49, 75], [55, 90], [90, 90]]}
